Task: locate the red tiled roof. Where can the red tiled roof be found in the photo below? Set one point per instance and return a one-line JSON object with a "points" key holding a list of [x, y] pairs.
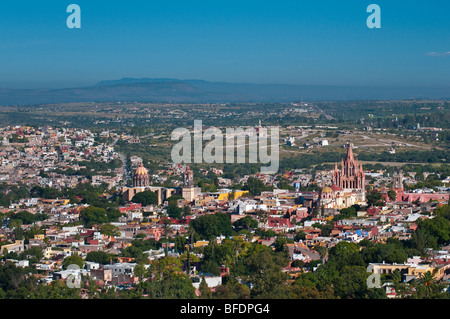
{"points": [[335, 188]]}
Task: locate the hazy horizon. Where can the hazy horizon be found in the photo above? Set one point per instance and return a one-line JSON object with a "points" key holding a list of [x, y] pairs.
{"points": [[83, 84]]}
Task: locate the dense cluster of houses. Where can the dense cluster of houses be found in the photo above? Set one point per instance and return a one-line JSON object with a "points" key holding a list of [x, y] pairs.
{"points": [[39, 156], [285, 213]]}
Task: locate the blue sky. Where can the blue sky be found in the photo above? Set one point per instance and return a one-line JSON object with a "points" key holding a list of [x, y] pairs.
{"points": [[285, 41]]}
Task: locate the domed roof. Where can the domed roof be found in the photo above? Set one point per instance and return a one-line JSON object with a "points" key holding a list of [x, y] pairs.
{"points": [[327, 189], [141, 170]]}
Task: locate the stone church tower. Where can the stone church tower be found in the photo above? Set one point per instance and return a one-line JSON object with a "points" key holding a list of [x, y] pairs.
{"points": [[188, 178], [397, 184], [189, 192], [351, 175]]}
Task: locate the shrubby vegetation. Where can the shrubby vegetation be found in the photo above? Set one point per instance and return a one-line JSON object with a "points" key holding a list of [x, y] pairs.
{"points": [[95, 215], [145, 198], [212, 225]]}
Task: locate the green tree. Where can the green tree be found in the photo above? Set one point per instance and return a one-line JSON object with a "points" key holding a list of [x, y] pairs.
{"points": [[301, 235], [139, 270], [109, 230], [145, 198], [443, 211], [352, 284], [392, 195], [427, 287], [34, 251], [174, 211], [348, 212], [246, 222], [232, 289], [96, 215], [212, 225], [422, 239], [26, 217], [210, 266], [18, 233], [265, 273], [73, 260], [298, 263], [11, 277], [325, 228], [437, 227], [136, 253], [186, 210], [389, 252], [374, 199], [254, 186], [100, 257], [205, 291], [177, 286]]}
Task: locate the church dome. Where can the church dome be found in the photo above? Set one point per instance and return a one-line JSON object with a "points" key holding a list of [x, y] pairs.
{"points": [[141, 170], [327, 189]]}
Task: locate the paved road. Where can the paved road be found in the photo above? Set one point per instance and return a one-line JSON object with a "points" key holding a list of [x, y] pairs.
{"points": [[126, 169]]}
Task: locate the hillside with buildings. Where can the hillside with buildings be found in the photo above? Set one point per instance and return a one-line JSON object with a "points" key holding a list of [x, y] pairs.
{"points": [[79, 217]]}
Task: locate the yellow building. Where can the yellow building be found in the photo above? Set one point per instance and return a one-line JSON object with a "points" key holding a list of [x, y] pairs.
{"points": [[409, 269], [17, 246], [201, 243], [39, 237], [56, 202], [287, 196], [53, 251], [270, 202], [337, 198], [226, 195]]}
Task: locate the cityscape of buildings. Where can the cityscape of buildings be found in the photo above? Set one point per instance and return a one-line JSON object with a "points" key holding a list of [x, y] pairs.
{"points": [[42, 231]]}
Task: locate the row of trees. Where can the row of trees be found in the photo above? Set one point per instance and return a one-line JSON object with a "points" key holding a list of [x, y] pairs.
{"points": [[411, 156], [22, 218]]}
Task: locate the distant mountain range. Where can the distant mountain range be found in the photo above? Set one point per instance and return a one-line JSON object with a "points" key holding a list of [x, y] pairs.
{"points": [[199, 91]]}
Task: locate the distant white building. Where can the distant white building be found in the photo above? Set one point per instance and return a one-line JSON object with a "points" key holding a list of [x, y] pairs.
{"points": [[244, 206], [290, 141], [413, 217], [64, 274], [155, 254], [309, 223], [92, 265], [121, 268], [211, 281]]}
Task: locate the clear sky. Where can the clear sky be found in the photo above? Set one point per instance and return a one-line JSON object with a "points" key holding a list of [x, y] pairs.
{"points": [[281, 41]]}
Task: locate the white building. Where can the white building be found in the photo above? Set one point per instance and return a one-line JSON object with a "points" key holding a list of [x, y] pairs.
{"points": [[121, 268], [211, 281]]}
